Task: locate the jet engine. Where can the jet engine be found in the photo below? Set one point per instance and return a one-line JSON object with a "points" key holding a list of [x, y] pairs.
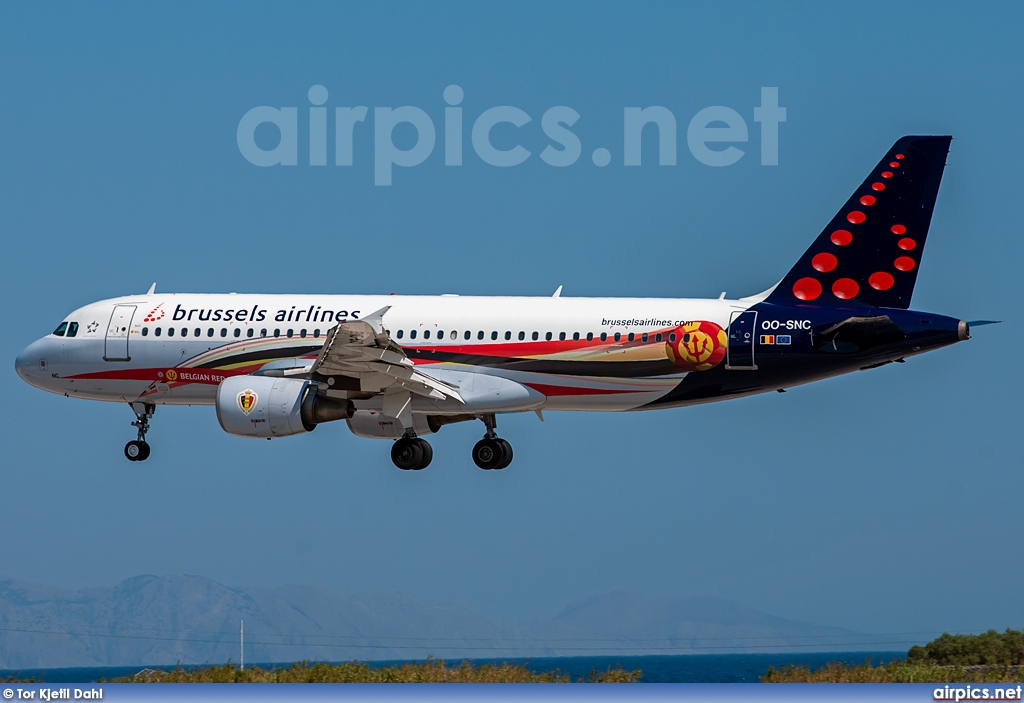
{"points": [[267, 406]]}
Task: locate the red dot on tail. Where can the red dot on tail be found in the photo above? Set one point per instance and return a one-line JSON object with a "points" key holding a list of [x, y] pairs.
{"points": [[856, 217], [841, 237], [904, 263], [886, 174], [898, 229], [878, 186], [807, 289], [867, 200], [906, 244], [894, 164], [899, 156], [881, 280], [845, 288], [824, 262]]}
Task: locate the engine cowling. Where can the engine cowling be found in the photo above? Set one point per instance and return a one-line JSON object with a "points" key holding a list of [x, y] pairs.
{"points": [[266, 406]]}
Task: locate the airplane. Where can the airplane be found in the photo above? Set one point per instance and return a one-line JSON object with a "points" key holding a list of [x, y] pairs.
{"points": [[401, 367]]}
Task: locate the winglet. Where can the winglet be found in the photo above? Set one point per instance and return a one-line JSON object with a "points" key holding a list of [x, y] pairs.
{"points": [[152, 289], [557, 293], [376, 319]]}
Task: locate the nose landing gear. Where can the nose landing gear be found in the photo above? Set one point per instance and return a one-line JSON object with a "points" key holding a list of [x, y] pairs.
{"points": [[138, 449]]}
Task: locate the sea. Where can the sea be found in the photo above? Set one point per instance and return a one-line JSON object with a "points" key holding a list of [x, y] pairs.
{"points": [[686, 668]]}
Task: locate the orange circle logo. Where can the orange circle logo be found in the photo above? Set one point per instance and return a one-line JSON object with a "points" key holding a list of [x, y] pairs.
{"points": [[698, 346], [171, 375]]}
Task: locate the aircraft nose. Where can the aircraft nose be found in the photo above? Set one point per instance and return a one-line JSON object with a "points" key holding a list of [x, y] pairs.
{"points": [[30, 361]]}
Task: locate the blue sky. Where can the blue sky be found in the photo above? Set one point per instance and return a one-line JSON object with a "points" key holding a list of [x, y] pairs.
{"points": [[885, 501]]}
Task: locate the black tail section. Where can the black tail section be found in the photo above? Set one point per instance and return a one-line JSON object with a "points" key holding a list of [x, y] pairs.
{"points": [[871, 250]]}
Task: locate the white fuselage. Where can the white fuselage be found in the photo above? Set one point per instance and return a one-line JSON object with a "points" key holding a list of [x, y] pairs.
{"points": [[175, 348]]}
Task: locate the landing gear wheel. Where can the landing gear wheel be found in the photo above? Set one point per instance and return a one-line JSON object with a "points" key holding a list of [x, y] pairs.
{"points": [[428, 453], [490, 454], [506, 450], [411, 453], [136, 450]]}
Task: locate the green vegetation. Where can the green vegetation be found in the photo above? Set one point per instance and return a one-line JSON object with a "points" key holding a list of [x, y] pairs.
{"points": [[431, 671], [987, 649], [990, 657]]}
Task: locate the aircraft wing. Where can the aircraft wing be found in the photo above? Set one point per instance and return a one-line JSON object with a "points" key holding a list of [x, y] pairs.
{"points": [[362, 351]]}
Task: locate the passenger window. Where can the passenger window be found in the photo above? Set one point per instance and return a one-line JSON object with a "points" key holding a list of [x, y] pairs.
{"points": [[658, 337], [412, 334], [644, 337], [316, 333], [561, 336], [401, 334], [631, 336], [480, 334], [467, 335], [250, 332], [686, 338], [170, 331], [426, 334], [290, 334], [494, 335], [618, 336], [302, 333], [604, 336], [223, 331], [672, 338], [61, 329], [184, 331], [263, 332], [440, 334], [157, 331], [209, 332], [277, 332], [508, 335], [455, 335], [590, 336], [548, 336], [238, 331], [198, 332], [72, 329], [575, 336], [522, 336], [536, 336], [145, 331]]}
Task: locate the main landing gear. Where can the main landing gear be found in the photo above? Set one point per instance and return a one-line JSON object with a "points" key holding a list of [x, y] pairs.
{"points": [[410, 453], [492, 452], [138, 449]]}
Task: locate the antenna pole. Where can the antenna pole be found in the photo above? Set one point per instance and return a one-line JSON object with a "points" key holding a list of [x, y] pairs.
{"points": [[241, 644]]}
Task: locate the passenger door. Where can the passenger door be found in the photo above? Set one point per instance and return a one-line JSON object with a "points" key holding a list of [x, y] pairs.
{"points": [[116, 346]]}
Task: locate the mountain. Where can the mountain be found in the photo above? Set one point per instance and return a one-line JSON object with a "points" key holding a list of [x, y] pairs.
{"points": [[191, 619]]}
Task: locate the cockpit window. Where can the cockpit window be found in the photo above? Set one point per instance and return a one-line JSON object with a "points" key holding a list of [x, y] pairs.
{"points": [[72, 329], [61, 330]]}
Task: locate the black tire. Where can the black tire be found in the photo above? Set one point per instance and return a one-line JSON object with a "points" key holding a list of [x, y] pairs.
{"points": [[135, 451], [427, 452], [506, 451], [145, 451], [407, 454], [488, 454]]}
